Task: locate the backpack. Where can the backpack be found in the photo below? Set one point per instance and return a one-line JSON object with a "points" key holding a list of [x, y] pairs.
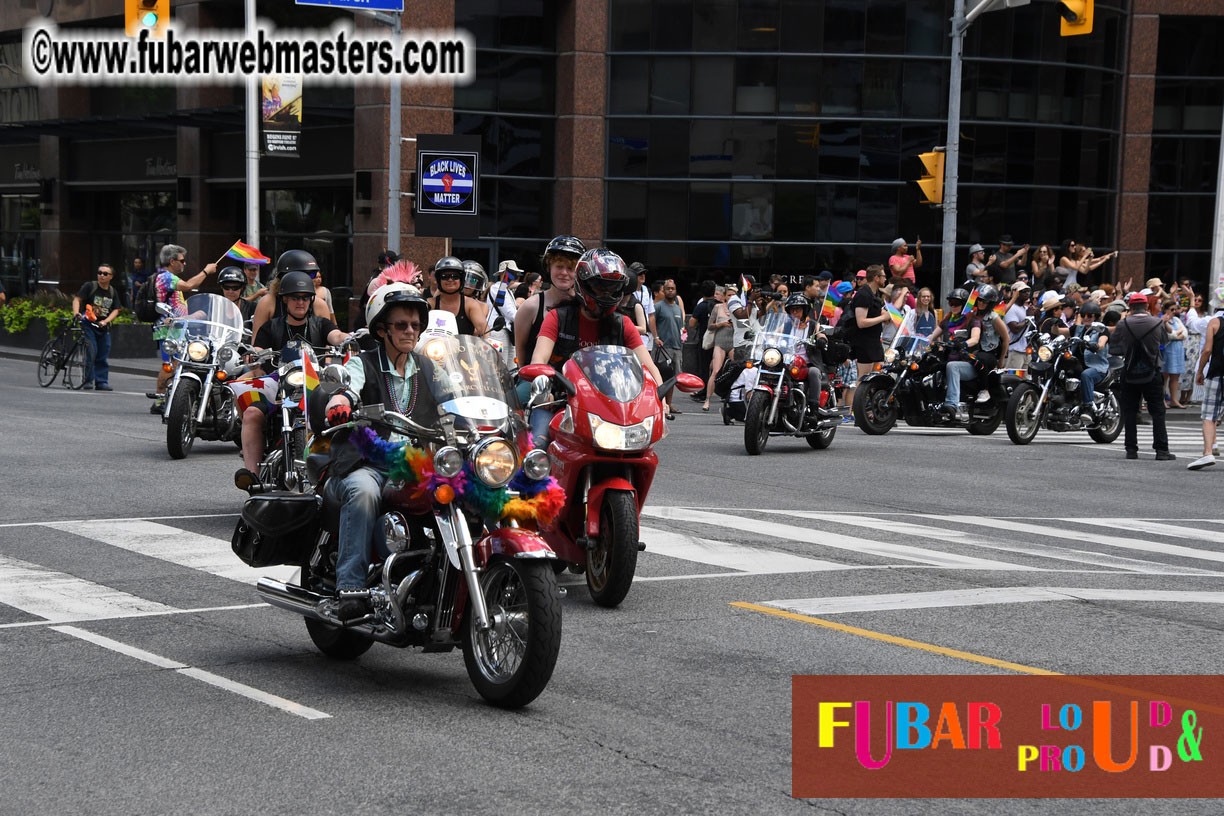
{"points": [[144, 302], [1137, 367]]}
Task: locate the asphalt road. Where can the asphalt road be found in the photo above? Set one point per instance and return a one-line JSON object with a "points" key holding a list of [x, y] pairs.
{"points": [[186, 694]]}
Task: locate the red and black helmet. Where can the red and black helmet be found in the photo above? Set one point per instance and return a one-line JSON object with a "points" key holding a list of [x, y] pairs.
{"points": [[602, 279]]}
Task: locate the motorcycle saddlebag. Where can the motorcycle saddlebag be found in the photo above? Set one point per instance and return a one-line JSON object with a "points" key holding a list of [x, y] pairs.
{"points": [[836, 353], [276, 528], [726, 377]]}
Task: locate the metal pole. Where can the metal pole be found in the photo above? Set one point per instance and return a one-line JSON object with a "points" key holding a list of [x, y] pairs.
{"points": [[252, 142], [1217, 242], [947, 277], [394, 146]]}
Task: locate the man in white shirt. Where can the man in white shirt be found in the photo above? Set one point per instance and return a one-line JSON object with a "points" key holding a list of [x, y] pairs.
{"points": [[644, 298], [1015, 318]]}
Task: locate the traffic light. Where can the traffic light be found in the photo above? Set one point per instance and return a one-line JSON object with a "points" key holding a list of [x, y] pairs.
{"points": [[146, 15], [1076, 17], [932, 183]]}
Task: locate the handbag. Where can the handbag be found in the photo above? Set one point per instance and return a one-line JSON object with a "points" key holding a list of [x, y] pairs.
{"points": [[707, 339], [662, 361]]}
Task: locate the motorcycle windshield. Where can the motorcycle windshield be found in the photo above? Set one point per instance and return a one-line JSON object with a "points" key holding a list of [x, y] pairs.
{"points": [[614, 371], [209, 318], [469, 380], [777, 331]]}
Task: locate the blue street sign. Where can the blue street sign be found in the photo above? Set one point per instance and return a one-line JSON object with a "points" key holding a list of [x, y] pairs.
{"points": [[368, 5]]}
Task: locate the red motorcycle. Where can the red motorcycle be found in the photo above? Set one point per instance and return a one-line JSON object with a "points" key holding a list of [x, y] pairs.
{"points": [[602, 453]]}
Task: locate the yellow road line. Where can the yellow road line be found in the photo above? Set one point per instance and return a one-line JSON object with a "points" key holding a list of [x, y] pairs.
{"points": [[897, 641]]}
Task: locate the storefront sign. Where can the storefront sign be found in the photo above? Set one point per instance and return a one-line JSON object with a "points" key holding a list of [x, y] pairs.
{"points": [[21, 165], [368, 5], [448, 186], [282, 114], [123, 160]]}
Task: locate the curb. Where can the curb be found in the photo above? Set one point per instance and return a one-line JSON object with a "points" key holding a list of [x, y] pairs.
{"points": [[118, 366]]}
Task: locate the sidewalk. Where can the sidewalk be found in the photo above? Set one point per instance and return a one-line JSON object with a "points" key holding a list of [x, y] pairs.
{"points": [[149, 366]]}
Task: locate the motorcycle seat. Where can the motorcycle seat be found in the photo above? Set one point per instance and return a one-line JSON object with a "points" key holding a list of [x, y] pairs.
{"points": [[315, 462]]}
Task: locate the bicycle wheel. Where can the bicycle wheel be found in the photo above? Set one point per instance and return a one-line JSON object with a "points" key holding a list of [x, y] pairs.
{"points": [[48, 368], [80, 360]]}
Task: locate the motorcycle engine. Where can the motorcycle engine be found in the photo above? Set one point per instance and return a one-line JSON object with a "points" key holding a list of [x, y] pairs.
{"points": [[796, 404]]}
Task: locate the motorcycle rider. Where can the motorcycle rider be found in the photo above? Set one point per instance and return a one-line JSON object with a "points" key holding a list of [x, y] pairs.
{"points": [[591, 319], [799, 310], [270, 306], [471, 313], [560, 257], [395, 376], [298, 323], [956, 367], [1096, 353], [988, 338], [232, 281]]}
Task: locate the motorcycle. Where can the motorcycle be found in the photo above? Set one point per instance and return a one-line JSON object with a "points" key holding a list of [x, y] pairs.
{"points": [[285, 433], [204, 345], [1051, 398], [462, 572], [777, 405], [602, 450], [910, 385]]}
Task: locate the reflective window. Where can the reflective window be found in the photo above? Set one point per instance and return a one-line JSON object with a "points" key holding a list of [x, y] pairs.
{"points": [[629, 85], [799, 85], [713, 80], [840, 154], [714, 25], [843, 87], [845, 21], [628, 141], [758, 25], [669, 88], [668, 211], [756, 84], [629, 24], [709, 212], [671, 30]]}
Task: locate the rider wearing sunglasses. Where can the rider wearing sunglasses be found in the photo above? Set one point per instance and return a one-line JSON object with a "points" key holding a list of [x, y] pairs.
{"points": [[471, 313], [233, 281]]}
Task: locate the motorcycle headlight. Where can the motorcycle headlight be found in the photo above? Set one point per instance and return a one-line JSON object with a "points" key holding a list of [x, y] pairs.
{"points": [[197, 351], [448, 461], [435, 349], [173, 347], [610, 436], [537, 464], [295, 378], [890, 355], [225, 355], [772, 357], [1045, 353], [494, 462]]}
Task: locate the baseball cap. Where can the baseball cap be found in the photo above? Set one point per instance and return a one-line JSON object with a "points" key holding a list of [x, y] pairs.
{"points": [[1019, 286], [1152, 283], [1146, 292], [897, 244], [1098, 293], [825, 275], [1137, 297], [1073, 287], [976, 248], [862, 273], [1049, 300]]}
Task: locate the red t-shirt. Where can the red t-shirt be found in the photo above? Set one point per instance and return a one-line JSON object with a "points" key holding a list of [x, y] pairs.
{"points": [[588, 331]]}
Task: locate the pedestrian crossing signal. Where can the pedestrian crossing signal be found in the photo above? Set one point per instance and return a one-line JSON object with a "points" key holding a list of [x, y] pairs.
{"points": [[1076, 17], [931, 184], [146, 15]]}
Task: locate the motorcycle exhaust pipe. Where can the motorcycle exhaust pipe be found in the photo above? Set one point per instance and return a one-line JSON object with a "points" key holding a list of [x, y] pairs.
{"points": [[306, 603]]}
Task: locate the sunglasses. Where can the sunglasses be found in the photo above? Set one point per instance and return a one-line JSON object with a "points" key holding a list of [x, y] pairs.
{"points": [[404, 326], [106, 274], [449, 276], [300, 298], [231, 288]]}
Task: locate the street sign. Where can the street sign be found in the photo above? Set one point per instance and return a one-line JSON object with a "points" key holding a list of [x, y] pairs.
{"points": [[360, 5], [448, 186]]}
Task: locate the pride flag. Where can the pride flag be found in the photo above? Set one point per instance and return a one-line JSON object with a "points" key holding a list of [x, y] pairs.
{"points": [[971, 302], [895, 314], [310, 380], [829, 307], [246, 253], [1001, 309], [745, 286]]}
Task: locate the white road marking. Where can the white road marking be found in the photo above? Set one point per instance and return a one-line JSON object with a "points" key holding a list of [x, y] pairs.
{"points": [[23, 624], [1083, 535], [59, 597], [950, 533], [166, 543], [216, 680], [985, 596], [838, 541], [755, 560], [1144, 526], [45, 523]]}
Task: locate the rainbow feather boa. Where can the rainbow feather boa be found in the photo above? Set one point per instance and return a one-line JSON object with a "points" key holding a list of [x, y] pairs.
{"points": [[539, 500]]}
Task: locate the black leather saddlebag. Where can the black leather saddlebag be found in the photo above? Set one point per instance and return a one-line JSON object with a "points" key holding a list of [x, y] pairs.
{"points": [[276, 528]]}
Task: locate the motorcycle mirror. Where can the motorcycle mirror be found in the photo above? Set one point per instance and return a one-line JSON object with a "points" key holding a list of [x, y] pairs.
{"points": [[336, 373], [499, 323], [164, 310], [530, 372], [748, 335], [689, 383], [960, 334], [540, 388]]}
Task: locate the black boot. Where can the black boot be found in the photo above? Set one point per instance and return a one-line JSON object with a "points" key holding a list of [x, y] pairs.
{"points": [[354, 604]]}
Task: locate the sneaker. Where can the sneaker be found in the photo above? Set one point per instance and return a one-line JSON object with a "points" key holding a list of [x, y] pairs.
{"points": [[1132, 454], [1201, 462], [354, 604], [847, 420], [87, 386], [1165, 456], [158, 406], [104, 387]]}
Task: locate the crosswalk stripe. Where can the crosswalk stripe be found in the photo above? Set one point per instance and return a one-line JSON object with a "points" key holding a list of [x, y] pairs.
{"points": [[758, 561], [834, 540], [1028, 548], [1051, 531], [166, 543], [1142, 525], [57, 596], [983, 596]]}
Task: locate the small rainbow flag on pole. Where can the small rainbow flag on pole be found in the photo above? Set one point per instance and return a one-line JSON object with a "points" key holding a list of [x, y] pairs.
{"points": [[745, 286], [895, 314], [1001, 309], [310, 380], [246, 253], [829, 307], [971, 302]]}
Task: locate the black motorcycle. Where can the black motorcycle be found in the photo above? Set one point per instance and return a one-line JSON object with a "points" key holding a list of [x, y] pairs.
{"points": [[910, 385], [1049, 397]]}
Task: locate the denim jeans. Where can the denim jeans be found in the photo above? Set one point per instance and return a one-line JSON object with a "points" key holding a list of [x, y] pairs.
{"points": [[100, 341], [956, 372], [539, 422], [1088, 381], [360, 496]]}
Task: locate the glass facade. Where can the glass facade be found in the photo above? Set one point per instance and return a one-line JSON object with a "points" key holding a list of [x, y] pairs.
{"points": [[511, 106], [19, 225], [1186, 126], [784, 134]]}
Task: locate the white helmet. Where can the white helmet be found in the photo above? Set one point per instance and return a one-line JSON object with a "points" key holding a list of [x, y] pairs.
{"points": [[394, 294]]}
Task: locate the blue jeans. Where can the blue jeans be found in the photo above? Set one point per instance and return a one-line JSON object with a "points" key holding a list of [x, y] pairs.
{"points": [[360, 496], [100, 341], [1088, 381], [539, 422], [956, 372]]}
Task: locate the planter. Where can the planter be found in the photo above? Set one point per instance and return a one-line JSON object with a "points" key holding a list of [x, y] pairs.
{"points": [[134, 340], [34, 337]]}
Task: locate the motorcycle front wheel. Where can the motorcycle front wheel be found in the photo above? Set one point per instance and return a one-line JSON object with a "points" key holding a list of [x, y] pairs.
{"points": [[512, 662], [611, 563], [180, 422], [1023, 415], [872, 412], [756, 429]]}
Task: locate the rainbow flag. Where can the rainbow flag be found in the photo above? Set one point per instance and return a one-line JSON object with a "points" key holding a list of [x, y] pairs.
{"points": [[745, 286], [970, 303], [250, 397], [829, 307], [895, 314], [246, 253], [1001, 309], [310, 380]]}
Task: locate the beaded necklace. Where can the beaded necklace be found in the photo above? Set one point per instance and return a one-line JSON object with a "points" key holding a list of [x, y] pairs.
{"points": [[412, 392]]}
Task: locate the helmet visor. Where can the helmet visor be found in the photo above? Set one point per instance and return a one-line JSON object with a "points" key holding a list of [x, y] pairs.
{"points": [[605, 290]]}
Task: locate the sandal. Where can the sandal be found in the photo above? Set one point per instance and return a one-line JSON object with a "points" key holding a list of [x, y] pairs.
{"points": [[706, 407]]}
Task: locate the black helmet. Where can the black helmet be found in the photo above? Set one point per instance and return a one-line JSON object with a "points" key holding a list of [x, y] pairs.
{"points": [[564, 245], [449, 263], [798, 301], [988, 294], [296, 283], [1090, 307], [602, 279], [297, 260], [958, 294], [231, 274]]}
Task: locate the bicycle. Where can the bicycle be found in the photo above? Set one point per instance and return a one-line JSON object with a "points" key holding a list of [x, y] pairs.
{"points": [[69, 352]]}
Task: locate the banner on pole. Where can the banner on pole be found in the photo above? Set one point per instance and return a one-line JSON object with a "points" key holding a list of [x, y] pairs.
{"points": [[282, 114], [448, 186]]}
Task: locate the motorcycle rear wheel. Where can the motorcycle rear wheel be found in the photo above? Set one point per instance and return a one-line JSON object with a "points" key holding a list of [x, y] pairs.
{"points": [[1105, 434], [1023, 415], [872, 412], [611, 563], [512, 662], [181, 421], [756, 429]]}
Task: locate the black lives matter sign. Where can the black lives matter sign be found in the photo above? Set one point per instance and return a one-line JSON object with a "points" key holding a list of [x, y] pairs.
{"points": [[448, 186]]}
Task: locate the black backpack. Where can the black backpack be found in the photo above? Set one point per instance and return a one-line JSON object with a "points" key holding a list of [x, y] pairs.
{"points": [[144, 302], [1137, 367]]}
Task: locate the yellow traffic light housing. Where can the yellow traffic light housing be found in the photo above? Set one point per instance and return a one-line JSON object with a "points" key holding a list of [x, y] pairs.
{"points": [[931, 184], [1076, 17], [146, 15]]}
